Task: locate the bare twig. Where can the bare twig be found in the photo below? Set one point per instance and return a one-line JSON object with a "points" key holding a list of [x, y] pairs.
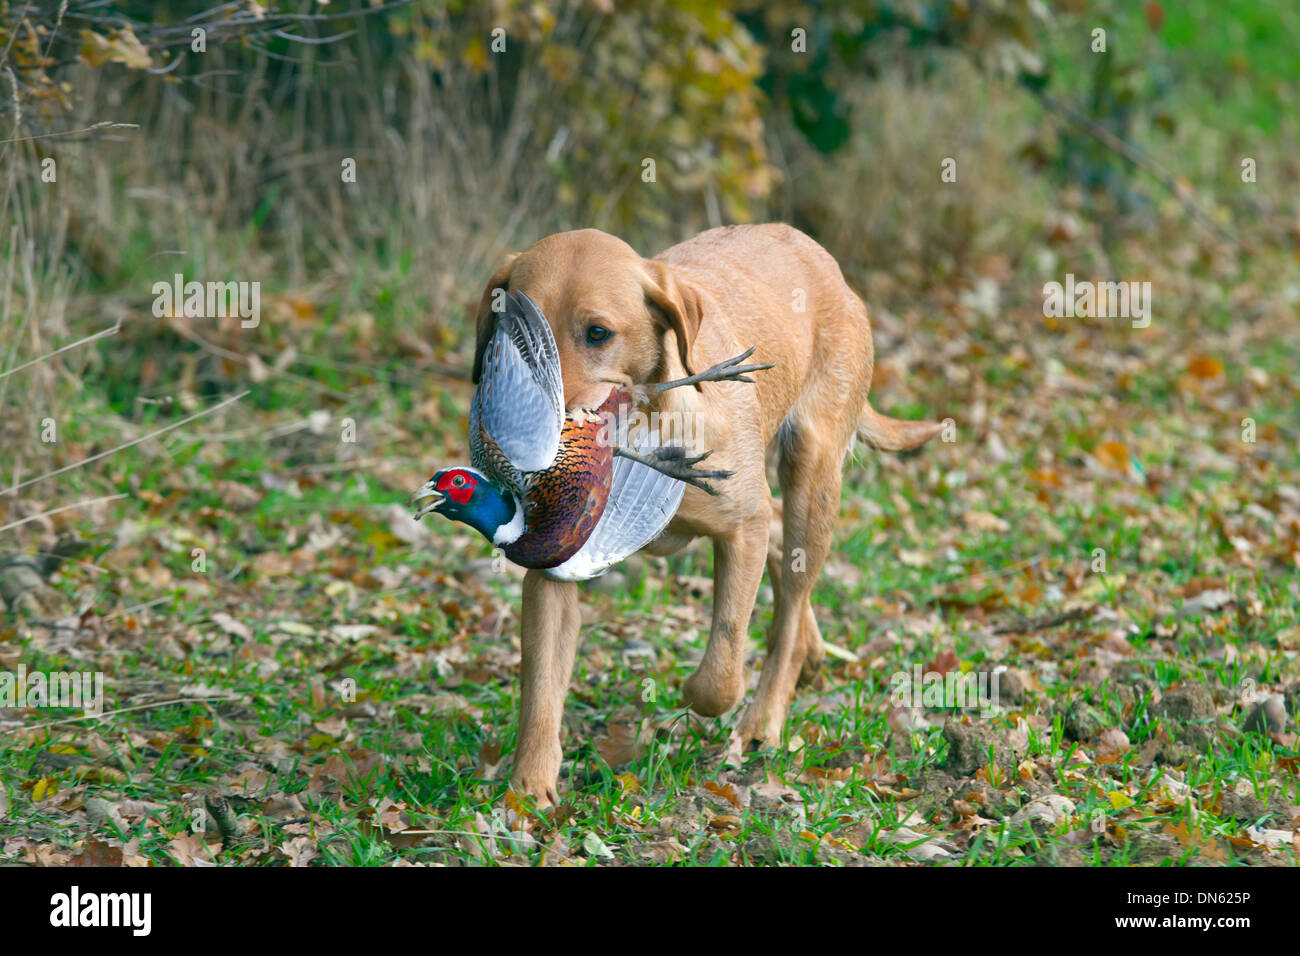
{"points": [[54, 511], [127, 710], [89, 338], [105, 124], [143, 438]]}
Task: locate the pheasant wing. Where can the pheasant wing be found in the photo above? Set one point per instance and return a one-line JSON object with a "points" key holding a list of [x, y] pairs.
{"points": [[641, 503], [518, 408]]}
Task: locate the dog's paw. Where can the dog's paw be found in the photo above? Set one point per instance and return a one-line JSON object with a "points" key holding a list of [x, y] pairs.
{"points": [[757, 731], [709, 697], [541, 796], [537, 780]]}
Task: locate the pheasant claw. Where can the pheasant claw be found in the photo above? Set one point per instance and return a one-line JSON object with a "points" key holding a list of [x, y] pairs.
{"points": [[673, 461], [729, 371]]}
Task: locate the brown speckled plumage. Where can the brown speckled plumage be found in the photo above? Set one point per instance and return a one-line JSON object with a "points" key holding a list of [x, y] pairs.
{"points": [[564, 502]]}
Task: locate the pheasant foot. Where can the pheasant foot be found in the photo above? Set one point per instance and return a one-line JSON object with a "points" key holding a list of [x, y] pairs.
{"points": [[729, 371], [673, 461]]}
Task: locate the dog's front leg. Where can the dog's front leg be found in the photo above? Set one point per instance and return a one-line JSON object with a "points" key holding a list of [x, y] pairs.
{"points": [[718, 684], [550, 622]]}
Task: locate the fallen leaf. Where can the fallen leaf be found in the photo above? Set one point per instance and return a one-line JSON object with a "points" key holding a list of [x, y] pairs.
{"points": [[1119, 800], [300, 851], [231, 626], [1111, 745], [188, 849], [985, 521], [725, 791], [1113, 455], [98, 853], [593, 845]]}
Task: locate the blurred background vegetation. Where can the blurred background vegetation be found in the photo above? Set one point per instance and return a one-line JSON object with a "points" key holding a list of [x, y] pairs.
{"points": [[225, 165]]}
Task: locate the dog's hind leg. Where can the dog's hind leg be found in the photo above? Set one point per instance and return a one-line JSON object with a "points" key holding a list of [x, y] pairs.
{"points": [[813, 651], [810, 473]]}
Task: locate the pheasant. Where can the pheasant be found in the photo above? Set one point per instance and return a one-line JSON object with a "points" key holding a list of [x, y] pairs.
{"points": [[567, 495]]}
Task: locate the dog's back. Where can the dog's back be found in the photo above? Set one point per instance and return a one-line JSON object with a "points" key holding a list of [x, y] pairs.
{"points": [[783, 292]]}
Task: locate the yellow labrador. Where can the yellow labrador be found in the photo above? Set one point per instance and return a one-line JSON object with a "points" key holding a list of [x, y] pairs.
{"points": [[619, 319]]}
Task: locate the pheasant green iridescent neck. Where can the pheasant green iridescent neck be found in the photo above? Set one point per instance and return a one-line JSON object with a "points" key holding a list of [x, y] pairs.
{"points": [[490, 511]]}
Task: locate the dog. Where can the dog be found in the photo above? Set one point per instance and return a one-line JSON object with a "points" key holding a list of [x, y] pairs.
{"points": [[620, 319]]}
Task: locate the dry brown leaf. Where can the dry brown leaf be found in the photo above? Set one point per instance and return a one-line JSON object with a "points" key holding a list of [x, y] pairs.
{"points": [[1204, 367], [1112, 745], [725, 791], [1113, 455], [300, 851], [985, 521], [98, 853], [188, 849]]}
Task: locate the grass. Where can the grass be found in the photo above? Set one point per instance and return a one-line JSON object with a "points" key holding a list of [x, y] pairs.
{"points": [[228, 680]]}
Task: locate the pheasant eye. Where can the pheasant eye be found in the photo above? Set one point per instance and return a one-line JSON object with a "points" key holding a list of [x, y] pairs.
{"points": [[597, 334], [459, 481]]}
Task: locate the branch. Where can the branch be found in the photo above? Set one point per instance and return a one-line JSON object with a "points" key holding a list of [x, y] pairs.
{"points": [[104, 454], [54, 511], [59, 351]]}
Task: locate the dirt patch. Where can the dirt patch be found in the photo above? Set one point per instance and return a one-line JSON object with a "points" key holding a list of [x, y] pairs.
{"points": [[969, 747], [1187, 702]]}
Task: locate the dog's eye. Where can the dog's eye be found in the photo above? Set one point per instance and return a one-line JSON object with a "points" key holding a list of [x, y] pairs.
{"points": [[597, 334]]}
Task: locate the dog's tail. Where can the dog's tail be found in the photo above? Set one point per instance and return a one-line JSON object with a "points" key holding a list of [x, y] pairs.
{"points": [[893, 434]]}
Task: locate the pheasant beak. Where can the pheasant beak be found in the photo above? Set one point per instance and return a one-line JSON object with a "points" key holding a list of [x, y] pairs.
{"points": [[426, 500]]}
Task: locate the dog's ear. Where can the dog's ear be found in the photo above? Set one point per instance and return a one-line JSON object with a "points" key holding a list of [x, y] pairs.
{"points": [[679, 303], [490, 305]]}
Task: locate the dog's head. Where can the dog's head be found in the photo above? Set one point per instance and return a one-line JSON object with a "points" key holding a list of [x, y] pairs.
{"points": [[615, 315]]}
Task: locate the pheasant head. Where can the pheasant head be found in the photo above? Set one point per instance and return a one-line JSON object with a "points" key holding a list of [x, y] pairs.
{"points": [[467, 495]]}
